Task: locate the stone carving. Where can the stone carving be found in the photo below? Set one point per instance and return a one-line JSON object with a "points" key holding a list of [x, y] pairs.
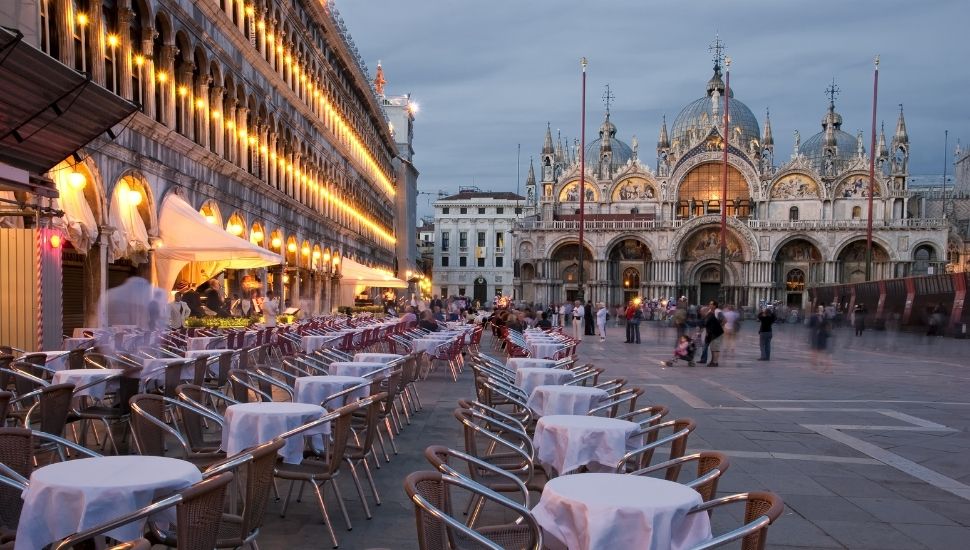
{"points": [[855, 188], [633, 190], [570, 193], [795, 187], [707, 243], [525, 250], [799, 251]]}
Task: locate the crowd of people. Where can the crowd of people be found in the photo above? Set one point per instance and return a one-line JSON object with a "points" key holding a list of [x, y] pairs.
{"points": [[208, 300]]}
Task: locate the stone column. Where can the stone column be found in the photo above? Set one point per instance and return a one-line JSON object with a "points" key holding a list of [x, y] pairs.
{"points": [[186, 76], [95, 42], [201, 115], [215, 104], [230, 128], [124, 54], [168, 89], [65, 31], [242, 130], [270, 161], [147, 74], [325, 291]]}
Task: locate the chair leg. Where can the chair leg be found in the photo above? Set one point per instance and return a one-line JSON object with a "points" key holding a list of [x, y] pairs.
{"points": [[380, 439], [390, 433], [340, 502], [323, 510], [370, 478], [360, 488]]}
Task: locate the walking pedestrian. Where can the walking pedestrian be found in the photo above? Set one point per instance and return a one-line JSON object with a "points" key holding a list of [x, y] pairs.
{"points": [[635, 324], [859, 319], [601, 315], [766, 318], [628, 315], [732, 322], [590, 323], [819, 332], [579, 315], [712, 323]]}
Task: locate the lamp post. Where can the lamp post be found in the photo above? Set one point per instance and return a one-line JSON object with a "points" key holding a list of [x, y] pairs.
{"points": [[872, 170], [580, 294], [726, 135]]}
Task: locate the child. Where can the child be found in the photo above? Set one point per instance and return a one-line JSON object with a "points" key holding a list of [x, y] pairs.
{"points": [[684, 351]]}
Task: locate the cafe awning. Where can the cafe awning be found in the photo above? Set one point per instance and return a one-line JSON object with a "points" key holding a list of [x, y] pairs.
{"points": [[354, 273], [47, 112], [188, 237]]}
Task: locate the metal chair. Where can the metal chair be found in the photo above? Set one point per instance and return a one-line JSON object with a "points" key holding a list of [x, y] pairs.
{"points": [[641, 457], [711, 465], [762, 509]]}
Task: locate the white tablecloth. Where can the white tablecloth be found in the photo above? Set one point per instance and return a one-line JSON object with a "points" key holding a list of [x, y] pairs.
{"points": [[75, 343], [546, 400], [544, 350], [154, 369], [427, 345], [56, 360], [616, 511], [528, 378], [202, 342], [377, 357], [81, 377], [566, 442], [313, 343], [357, 368], [72, 496], [514, 363], [251, 424], [314, 389]]}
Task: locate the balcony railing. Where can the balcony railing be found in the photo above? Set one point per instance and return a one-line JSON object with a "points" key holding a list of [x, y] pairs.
{"points": [[784, 225], [499, 250], [463, 250]]}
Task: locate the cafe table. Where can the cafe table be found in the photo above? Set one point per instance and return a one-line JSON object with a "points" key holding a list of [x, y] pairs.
{"points": [[378, 357], [567, 442], [358, 368], [252, 424], [514, 363], [315, 389], [546, 400], [617, 511], [82, 377], [528, 378], [66, 497]]}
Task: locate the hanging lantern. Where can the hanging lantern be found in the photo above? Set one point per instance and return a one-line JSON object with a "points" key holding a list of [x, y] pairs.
{"points": [[77, 180]]}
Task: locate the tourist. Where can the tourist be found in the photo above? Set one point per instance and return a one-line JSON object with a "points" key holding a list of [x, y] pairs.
{"points": [[213, 299], [820, 330], [766, 318], [713, 332], [193, 299], [428, 322], [246, 305], [601, 315], [437, 314], [589, 323], [635, 325], [271, 308], [732, 322], [578, 315], [409, 317], [628, 315], [859, 319], [178, 312], [544, 323]]}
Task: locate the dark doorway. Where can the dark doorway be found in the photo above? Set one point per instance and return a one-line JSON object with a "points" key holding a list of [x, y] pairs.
{"points": [[572, 294], [709, 291], [480, 290]]}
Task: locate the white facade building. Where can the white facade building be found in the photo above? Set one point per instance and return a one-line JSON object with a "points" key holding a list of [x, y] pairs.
{"points": [[474, 244]]}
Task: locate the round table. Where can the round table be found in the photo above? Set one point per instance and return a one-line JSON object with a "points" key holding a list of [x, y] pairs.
{"points": [[544, 350], [315, 389], [251, 424], [154, 369], [566, 442], [546, 400], [357, 368], [315, 342], [528, 378], [514, 363], [202, 342], [427, 345], [605, 511], [67, 497], [77, 343], [82, 377], [377, 357]]}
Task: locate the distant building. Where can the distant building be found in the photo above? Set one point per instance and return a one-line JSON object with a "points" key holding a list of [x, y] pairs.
{"points": [[473, 243], [654, 231], [400, 115]]}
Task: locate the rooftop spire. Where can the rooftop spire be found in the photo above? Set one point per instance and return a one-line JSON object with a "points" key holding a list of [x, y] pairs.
{"points": [[663, 141], [547, 144], [379, 81], [608, 98], [531, 178], [831, 117], [883, 151], [901, 136], [769, 140]]}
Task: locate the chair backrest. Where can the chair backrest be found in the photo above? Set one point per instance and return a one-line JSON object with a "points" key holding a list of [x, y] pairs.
{"points": [[711, 465], [53, 406], [225, 363], [259, 484], [173, 377], [5, 398], [762, 509], [75, 358], [367, 433], [200, 369], [149, 437], [16, 452], [642, 456], [200, 513]]}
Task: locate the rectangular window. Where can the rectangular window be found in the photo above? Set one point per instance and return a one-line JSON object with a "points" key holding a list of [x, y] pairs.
{"points": [[499, 239], [518, 211], [444, 292], [444, 261], [461, 291], [463, 261], [500, 210], [445, 210], [481, 210], [463, 239], [462, 210], [481, 262], [481, 238], [499, 261], [445, 238]]}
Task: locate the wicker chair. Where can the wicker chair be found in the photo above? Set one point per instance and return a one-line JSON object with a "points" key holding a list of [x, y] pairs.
{"points": [[361, 447], [432, 496], [118, 412], [53, 406], [198, 510], [642, 456], [17, 454], [711, 465], [5, 398], [760, 511], [242, 529], [149, 429]]}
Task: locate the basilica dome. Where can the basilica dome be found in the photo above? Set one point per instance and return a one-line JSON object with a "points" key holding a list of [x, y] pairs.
{"points": [[846, 145], [696, 119], [622, 152]]}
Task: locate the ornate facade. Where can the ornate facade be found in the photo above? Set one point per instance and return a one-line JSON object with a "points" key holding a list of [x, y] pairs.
{"points": [[654, 231]]}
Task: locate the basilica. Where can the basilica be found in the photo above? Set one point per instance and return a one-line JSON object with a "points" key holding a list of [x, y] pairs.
{"points": [[654, 231]]}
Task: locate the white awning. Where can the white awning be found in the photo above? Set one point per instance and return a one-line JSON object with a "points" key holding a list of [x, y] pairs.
{"points": [[353, 273], [188, 237]]}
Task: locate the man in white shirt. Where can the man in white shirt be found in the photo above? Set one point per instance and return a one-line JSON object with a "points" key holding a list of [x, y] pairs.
{"points": [[271, 308], [578, 320], [178, 312]]}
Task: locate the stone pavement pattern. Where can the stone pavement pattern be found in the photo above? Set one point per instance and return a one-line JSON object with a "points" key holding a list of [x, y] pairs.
{"points": [[868, 452]]}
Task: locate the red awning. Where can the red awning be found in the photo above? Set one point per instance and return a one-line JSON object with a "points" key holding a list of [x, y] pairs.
{"points": [[48, 110]]}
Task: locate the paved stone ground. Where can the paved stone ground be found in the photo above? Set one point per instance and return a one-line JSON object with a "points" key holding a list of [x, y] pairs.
{"points": [[868, 449]]}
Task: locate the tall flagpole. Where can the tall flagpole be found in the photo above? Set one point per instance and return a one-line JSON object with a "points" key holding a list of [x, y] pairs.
{"points": [[872, 170], [580, 295], [724, 177]]}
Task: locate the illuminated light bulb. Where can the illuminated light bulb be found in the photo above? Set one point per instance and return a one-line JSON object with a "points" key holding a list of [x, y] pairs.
{"points": [[159, 243], [139, 60], [276, 242], [163, 77], [257, 236], [230, 124], [82, 19], [305, 250], [286, 279], [199, 104], [263, 149], [326, 257], [77, 180], [279, 48], [210, 218], [134, 197], [234, 228], [261, 25], [216, 114], [183, 91], [112, 40], [252, 140], [291, 247], [55, 241], [273, 155], [243, 133], [336, 261], [250, 10], [316, 254], [270, 37]]}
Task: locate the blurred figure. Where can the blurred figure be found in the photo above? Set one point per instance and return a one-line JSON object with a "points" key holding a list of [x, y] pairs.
{"points": [[766, 319], [235, 307], [194, 301], [271, 308], [427, 321], [246, 306], [589, 321], [579, 315], [859, 319], [937, 321], [136, 303], [601, 315], [732, 322], [213, 299], [820, 330]]}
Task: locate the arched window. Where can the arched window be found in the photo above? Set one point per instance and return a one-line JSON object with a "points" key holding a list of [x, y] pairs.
{"points": [[795, 280], [856, 212], [703, 185], [793, 214]]}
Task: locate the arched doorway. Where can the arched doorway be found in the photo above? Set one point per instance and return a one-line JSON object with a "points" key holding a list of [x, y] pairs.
{"points": [[565, 266], [709, 281], [626, 269], [631, 284], [798, 264], [924, 260], [701, 253], [527, 276], [852, 262], [795, 288], [480, 290]]}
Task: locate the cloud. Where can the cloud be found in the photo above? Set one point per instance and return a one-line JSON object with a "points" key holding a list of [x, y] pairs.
{"points": [[489, 75]]}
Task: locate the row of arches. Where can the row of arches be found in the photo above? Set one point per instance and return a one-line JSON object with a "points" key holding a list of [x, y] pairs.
{"points": [[145, 55]]}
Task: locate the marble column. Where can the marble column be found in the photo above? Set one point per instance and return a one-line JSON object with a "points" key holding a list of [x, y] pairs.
{"points": [[146, 75], [185, 107], [125, 54], [201, 114], [215, 105], [169, 88], [242, 130], [96, 42]]}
